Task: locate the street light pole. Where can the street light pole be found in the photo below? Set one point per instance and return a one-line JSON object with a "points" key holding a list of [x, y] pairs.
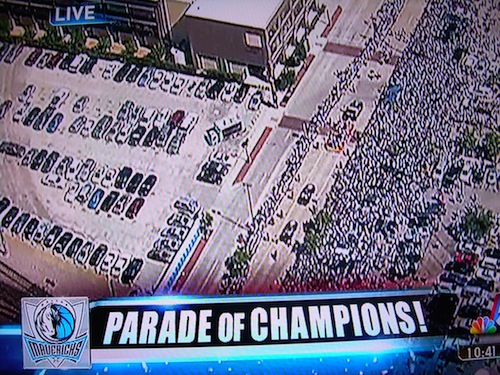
{"points": [[245, 146], [249, 197]]}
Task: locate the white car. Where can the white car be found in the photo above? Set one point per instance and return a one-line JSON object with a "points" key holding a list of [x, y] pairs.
{"points": [[71, 192], [228, 91], [119, 266], [20, 112], [190, 122], [157, 79], [73, 170], [87, 128], [148, 116], [59, 97], [162, 117], [167, 81], [110, 70], [108, 178], [491, 178], [53, 180], [487, 270], [178, 85], [27, 94], [98, 174], [108, 262]]}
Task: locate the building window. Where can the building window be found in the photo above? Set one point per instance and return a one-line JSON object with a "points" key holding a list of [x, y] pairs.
{"points": [[253, 40]]}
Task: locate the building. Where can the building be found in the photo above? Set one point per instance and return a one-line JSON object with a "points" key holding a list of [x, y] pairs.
{"points": [[145, 21], [246, 36]]}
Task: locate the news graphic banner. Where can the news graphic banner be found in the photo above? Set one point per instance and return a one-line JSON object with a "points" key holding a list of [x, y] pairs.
{"points": [[254, 326], [68, 332]]}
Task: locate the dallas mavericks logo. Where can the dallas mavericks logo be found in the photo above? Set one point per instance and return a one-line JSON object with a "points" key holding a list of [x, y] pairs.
{"points": [[55, 332]]}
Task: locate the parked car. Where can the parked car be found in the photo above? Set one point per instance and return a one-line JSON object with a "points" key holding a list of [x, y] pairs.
{"points": [[80, 104], [131, 272], [147, 185], [98, 255], [134, 208], [32, 115], [38, 160], [102, 126], [55, 122], [19, 224], [85, 192], [62, 243], [52, 236], [134, 183], [109, 201], [120, 205], [33, 57], [74, 247], [50, 161], [123, 177], [83, 254], [30, 228], [77, 124], [95, 199], [10, 216]]}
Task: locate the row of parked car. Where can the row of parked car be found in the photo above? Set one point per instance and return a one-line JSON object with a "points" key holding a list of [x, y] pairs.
{"points": [[85, 182], [73, 63], [178, 226], [180, 84], [137, 125], [69, 245], [472, 274], [10, 52]]}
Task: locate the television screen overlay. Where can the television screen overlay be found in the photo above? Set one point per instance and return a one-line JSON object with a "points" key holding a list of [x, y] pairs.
{"points": [[250, 187]]}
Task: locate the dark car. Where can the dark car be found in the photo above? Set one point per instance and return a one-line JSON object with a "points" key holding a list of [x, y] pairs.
{"points": [[288, 232], [98, 255], [19, 224], [164, 135], [50, 162], [132, 270], [122, 72], [80, 104], [43, 118], [10, 216], [66, 62], [32, 115], [95, 199], [306, 194], [482, 283], [134, 183], [147, 185], [12, 149], [88, 65], [151, 137], [4, 49], [134, 74], [123, 177], [177, 117], [55, 122], [134, 208], [38, 160], [51, 237], [30, 228], [35, 55], [63, 241], [214, 90], [109, 201], [472, 312], [74, 247], [54, 60], [4, 203], [102, 126], [4, 108], [136, 136], [459, 267], [240, 94]]}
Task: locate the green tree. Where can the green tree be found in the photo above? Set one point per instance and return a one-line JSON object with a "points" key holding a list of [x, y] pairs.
{"points": [[491, 146], [285, 80], [476, 223], [52, 37], [4, 28], [469, 142]]}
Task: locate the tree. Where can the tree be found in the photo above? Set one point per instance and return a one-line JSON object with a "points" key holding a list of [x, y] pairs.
{"points": [[476, 223], [491, 146], [469, 142], [285, 80]]}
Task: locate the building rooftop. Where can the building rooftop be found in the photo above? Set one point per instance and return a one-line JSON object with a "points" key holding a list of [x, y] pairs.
{"points": [[252, 13]]}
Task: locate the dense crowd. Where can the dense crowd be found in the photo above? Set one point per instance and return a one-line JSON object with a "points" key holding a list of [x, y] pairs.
{"points": [[382, 22], [385, 203]]}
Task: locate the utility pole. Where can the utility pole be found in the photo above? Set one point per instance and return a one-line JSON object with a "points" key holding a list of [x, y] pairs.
{"points": [[247, 187], [245, 146]]}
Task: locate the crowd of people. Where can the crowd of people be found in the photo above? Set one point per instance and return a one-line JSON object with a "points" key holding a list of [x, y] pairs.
{"points": [[385, 203], [382, 22]]}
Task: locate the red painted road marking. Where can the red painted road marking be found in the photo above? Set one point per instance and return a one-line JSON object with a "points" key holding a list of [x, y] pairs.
{"points": [[179, 283], [295, 124], [332, 22], [260, 143], [343, 49]]}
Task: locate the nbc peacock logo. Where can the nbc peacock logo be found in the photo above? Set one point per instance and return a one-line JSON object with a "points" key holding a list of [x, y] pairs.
{"points": [[55, 333], [483, 326]]}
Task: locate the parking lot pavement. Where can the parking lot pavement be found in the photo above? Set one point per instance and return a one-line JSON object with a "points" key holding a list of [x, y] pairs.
{"points": [[176, 173]]}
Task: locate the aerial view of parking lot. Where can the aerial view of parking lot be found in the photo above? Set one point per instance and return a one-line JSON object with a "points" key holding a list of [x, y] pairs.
{"points": [[312, 145]]}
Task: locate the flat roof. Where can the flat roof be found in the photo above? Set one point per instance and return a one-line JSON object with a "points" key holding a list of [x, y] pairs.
{"points": [[252, 13]]}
